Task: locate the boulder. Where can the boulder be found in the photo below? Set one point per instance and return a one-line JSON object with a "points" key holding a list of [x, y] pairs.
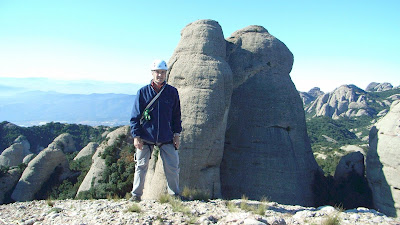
{"points": [[66, 143], [28, 158], [95, 173], [8, 181], [199, 71], [39, 170], [25, 143], [383, 112], [267, 151], [352, 163], [14, 155], [89, 149], [383, 157], [394, 97]]}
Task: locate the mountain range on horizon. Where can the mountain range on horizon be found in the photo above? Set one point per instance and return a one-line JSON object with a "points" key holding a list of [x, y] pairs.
{"points": [[27, 105], [10, 86]]}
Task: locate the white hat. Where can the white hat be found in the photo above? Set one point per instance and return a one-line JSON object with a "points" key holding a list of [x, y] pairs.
{"points": [[159, 64]]}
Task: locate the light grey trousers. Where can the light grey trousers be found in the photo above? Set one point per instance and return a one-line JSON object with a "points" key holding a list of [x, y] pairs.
{"points": [[170, 160]]}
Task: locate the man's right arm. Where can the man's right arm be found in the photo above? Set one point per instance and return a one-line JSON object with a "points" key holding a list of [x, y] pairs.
{"points": [[136, 114]]}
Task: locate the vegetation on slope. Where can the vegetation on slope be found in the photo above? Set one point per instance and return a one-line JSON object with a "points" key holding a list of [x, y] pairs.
{"points": [[42, 136]]}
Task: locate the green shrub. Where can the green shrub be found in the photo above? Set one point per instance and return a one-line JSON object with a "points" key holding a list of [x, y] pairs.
{"points": [[134, 208], [331, 220], [176, 203], [194, 194], [118, 175]]}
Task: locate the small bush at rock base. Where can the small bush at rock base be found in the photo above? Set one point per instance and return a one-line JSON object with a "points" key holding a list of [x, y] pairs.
{"points": [[194, 194], [134, 208], [331, 220]]}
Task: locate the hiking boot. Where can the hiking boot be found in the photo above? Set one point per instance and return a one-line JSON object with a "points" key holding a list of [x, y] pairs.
{"points": [[135, 199]]}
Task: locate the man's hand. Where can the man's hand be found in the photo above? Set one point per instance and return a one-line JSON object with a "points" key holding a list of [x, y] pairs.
{"points": [[138, 143], [177, 142]]}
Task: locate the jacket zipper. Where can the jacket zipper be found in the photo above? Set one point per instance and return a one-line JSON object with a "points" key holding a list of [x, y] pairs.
{"points": [[158, 120]]}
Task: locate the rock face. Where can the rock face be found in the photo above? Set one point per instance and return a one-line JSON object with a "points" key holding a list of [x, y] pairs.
{"points": [[7, 182], [66, 143], [383, 167], [350, 187], [267, 151], [344, 101], [89, 149], [350, 163], [204, 80], [311, 95], [378, 87], [40, 169], [14, 155], [95, 173]]}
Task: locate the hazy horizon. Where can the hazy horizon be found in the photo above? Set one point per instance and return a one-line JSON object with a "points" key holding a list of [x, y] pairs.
{"points": [[87, 86], [333, 42]]}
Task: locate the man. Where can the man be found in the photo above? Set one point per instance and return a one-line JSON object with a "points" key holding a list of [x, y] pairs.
{"points": [[156, 122]]}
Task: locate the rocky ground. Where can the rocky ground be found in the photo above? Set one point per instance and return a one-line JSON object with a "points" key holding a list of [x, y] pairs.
{"points": [[181, 212]]}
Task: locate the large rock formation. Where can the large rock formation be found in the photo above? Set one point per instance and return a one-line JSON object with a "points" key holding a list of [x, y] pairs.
{"points": [[267, 151], [378, 87], [15, 154], [89, 149], [66, 143], [350, 187], [311, 95], [383, 167], [344, 101], [204, 80], [95, 173], [352, 163], [40, 169], [7, 182]]}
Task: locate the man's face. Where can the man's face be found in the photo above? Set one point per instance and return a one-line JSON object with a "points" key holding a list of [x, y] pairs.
{"points": [[159, 76]]}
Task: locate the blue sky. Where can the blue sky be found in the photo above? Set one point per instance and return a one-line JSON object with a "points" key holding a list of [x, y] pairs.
{"points": [[333, 42]]}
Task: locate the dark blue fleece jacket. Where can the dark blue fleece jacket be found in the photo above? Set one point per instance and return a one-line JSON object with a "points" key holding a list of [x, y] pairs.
{"points": [[165, 115]]}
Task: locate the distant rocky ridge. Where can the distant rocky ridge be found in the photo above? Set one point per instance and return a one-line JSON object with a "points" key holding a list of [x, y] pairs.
{"points": [[349, 101], [379, 86], [311, 95]]}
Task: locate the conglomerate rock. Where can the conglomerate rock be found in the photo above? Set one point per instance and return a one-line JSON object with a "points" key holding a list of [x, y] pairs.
{"points": [[89, 149], [267, 151], [14, 155], [383, 162], [39, 170], [95, 173], [204, 81]]}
